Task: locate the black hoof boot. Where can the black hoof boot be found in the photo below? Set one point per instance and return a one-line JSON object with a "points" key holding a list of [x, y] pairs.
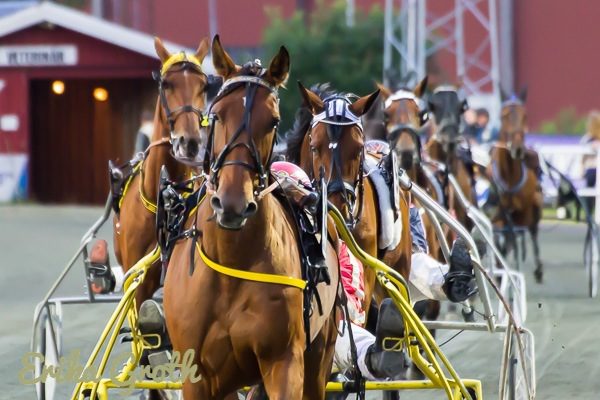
{"points": [[384, 357], [539, 274], [460, 282]]}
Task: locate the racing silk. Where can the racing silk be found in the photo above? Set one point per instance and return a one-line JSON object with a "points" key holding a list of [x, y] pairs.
{"points": [[352, 275]]}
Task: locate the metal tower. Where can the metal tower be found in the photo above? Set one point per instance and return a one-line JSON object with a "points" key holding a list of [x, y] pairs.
{"points": [[418, 29]]}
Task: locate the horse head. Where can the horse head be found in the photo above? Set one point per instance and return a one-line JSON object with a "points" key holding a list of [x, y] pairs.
{"points": [[514, 123], [182, 95], [336, 143], [403, 115], [447, 107], [244, 119]]}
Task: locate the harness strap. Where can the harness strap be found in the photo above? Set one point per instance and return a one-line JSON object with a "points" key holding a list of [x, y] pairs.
{"points": [[249, 275]]}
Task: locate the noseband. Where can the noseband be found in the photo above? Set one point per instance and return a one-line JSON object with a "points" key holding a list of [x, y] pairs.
{"points": [[187, 61], [335, 116], [251, 84]]}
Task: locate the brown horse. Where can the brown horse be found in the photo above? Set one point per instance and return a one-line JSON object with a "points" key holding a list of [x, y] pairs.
{"points": [[242, 328], [403, 116], [331, 147], [513, 173], [444, 148], [176, 138]]}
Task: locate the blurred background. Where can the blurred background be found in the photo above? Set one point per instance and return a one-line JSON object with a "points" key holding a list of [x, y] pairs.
{"points": [[75, 75]]}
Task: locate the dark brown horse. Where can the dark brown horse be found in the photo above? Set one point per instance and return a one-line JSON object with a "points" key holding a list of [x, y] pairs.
{"points": [[217, 302], [176, 134], [444, 147], [513, 173], [329, 144]]}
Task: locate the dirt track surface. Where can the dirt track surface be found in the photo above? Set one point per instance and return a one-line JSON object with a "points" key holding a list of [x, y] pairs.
{"points": [[36, 242]]}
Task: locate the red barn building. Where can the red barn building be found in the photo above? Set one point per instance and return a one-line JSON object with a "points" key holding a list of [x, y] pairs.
{"points": [[72, 88]]}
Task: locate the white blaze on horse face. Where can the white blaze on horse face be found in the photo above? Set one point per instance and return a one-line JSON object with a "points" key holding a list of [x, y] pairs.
{"points": [[244, 101]]}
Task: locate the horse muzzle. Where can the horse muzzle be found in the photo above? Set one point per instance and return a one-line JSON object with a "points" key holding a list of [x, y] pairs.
{"points": [[187, 148], [517, 152], [232, 215], [408, 159]]}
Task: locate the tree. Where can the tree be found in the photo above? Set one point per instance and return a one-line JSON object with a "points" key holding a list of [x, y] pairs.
{"points": [[324, 49]]}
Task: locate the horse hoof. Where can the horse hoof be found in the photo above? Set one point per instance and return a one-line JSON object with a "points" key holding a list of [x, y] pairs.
{"points": [[539, 275]]}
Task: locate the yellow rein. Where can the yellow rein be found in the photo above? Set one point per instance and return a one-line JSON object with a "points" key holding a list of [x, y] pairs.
{"points": [[251, 276]]}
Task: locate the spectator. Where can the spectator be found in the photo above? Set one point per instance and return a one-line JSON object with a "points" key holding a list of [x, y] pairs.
{"points": [[144, 135], [591, 139], [470, 131], [486, 133]]}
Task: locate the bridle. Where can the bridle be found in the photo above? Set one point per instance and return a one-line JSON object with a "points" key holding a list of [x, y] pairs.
{"points": [[396, 130], [215, 164], [336, 116], [186, 61]]}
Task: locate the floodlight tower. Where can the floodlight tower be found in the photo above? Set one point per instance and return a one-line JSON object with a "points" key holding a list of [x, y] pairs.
{"points": [[417, 29]]}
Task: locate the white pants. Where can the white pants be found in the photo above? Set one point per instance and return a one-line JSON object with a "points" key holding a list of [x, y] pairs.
{"points": [[426, 278], [342, 359]]}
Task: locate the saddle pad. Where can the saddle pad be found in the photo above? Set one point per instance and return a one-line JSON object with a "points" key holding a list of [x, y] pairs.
{"points": [[391, 227]]}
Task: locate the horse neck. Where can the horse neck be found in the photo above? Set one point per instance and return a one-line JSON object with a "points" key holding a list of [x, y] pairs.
{"points": [[242, 248]]}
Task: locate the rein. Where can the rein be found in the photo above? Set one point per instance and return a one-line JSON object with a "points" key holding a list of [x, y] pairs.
{"points": [[251, 85]]}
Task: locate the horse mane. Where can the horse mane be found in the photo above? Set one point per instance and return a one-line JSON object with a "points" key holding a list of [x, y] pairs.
{"points": [[302, 120]]}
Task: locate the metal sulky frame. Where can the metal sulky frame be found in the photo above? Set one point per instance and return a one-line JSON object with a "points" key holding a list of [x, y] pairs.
{"points": [[517, 371]]}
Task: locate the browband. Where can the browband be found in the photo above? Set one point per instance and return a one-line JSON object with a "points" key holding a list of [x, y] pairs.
{"points": [[404, 95], [246, 79], [179, 58]]}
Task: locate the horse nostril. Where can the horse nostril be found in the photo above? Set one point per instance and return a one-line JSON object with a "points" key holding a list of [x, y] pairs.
{"points": [[215, 203], [192, 148], [251, 209]]}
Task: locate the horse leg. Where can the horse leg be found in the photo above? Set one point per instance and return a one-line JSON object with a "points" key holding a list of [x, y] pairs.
{"points": [[538, 273], [318, 361], [283, 377]]}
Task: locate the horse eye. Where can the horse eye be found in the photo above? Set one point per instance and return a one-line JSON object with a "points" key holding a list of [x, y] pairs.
{"points": [[167, 85]]}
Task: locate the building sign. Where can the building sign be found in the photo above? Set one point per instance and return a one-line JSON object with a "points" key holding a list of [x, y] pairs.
{"points": [[33, 56], [13, 177]]}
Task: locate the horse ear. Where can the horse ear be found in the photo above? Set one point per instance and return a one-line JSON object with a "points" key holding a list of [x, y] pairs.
{"points": [[311, 99], [223, 64], [384, 90], [279, 68], [362, 105], [161, 51], [419, 90], [202, 50], [523, 94]]}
